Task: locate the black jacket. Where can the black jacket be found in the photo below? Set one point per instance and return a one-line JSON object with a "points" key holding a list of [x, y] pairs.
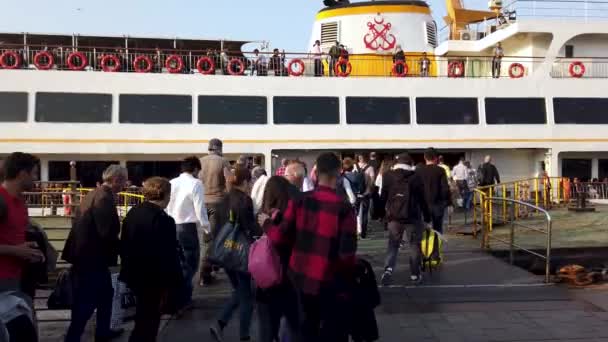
{"points": [[488, 174], [418, 206], [365, 298], [93, 241], [149, 251], [436, 186]]}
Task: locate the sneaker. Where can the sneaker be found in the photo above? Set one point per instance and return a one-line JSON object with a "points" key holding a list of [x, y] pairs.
{"points": [[216, 332], [416, 279], [386, 278]]}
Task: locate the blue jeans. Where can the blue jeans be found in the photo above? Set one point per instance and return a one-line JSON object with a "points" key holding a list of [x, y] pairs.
{"points": [[242, 298], [92, 290], [188, 238]]}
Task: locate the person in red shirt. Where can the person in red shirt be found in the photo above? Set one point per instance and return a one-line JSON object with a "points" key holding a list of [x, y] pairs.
{"points": [[19, 171], [319, 232]]}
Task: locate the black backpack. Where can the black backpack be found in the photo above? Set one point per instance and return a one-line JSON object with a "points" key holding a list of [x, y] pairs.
{"points": [[357, 180], [398, 202]]}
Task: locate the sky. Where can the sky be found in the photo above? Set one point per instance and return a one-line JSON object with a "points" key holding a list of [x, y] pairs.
{"points": [[286, 24]]}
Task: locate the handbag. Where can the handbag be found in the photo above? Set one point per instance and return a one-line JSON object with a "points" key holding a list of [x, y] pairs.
{"points": [[264, 264], [62, 296], [230, 248]]}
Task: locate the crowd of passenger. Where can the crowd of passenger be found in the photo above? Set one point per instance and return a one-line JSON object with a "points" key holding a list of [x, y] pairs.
{"points": [[309, 223]]}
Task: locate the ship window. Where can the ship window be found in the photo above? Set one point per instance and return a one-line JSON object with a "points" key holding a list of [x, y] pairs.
{"points": [[13, 107], [447, 111], [232, 110], [139, 171], [580, 110], [155, 109], [73, 107], [306, 110], [431, 33], [513, 111], [569, 51], [378, 110]]}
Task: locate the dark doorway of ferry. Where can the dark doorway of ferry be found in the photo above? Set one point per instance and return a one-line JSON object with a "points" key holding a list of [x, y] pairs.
{"points": [[88, 173], [450, 158], [577, 168], [139, 171]]}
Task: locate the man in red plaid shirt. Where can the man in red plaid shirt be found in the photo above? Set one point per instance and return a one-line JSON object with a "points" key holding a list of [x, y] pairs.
{"points": [[320, 233]]}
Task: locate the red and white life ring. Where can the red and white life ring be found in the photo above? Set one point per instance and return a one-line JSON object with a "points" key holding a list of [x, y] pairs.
{"points": [[299, 71], [455, 69], [44, 64], [142, 59], [174, 59], [577, 69], [107, 67], [205, 61], [404, 69], [338, 68], [72, 61], [5, 62], [517, 70], [235, 62]]}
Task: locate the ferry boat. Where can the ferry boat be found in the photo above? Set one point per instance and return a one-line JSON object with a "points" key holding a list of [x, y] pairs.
{"points": [[147, 102]]}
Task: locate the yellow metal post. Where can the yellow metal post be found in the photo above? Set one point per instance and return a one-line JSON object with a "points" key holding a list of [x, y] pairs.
{"points": [[536, 192], [474, 214], [504, 204], [517, 197], [489, 204]]}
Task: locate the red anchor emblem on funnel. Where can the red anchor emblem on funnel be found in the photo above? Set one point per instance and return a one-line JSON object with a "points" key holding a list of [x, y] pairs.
{"points": [[379, 36]]}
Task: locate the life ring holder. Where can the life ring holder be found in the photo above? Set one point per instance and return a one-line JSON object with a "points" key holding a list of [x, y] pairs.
{"points": [[201, 63], [581, 69], [516, 70], [174, 69], [338, 69], [106, 67], [405, 69], [38, 60], [4, 62], [236, 62], [83, 61], [453, 66], [300, 70], [142, 58]]}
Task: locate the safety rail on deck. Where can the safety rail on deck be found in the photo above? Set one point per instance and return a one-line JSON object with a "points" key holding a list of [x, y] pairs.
{"points": [[540, 192], [487, 233], [593, 190], [284, 64], [586, 10]]}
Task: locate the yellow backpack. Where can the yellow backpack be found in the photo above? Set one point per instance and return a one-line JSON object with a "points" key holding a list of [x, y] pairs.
{"points": [[432, 249]]}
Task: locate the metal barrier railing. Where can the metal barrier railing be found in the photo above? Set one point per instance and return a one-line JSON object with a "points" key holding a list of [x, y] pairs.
{"points": [[540, 192], [593, 190], [487, 232]]}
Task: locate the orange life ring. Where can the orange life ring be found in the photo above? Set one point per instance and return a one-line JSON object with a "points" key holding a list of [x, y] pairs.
{"points": [[174, 69], [516, 70], [581, 69], [454, 66], [145, 59], [4, 62], [300, 70], [338, 69], [200, 65], [105, 66], [236, 62], [71, 59], [40, 65], [404, 71]]}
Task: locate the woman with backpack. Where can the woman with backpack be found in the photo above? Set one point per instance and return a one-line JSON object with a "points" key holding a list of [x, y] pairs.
{"points": [[240, 211]]}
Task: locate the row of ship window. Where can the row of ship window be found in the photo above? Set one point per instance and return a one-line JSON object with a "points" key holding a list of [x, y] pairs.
{"points": [[177, 109]]}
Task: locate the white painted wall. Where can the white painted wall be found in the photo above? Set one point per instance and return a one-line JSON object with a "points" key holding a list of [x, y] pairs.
{"points": [[588, 45], [408, 28]]}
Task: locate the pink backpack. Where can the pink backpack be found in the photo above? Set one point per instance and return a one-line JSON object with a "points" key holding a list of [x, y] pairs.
{"points": [[264, 264]]}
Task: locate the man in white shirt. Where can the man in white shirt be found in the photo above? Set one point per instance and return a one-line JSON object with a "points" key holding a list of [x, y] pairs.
{"points": [[187, 207], [317, 54], [460, 174]]}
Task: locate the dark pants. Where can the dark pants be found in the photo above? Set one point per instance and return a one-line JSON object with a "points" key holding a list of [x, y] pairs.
{"points": [[414, 237], [437, 215], [496, 67], [147, 315], [217, 218], [242, 298], [272, 305], [318, 67], [332, 66], [187, 235], [21, 329], [363, 215], [92, 290], [324, 319]]}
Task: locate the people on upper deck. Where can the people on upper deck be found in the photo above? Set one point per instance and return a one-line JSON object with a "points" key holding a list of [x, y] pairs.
{"points": [[334, 55], [399, 56], [316, 54], [425, 65], [497, 60], [258, 64]]}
